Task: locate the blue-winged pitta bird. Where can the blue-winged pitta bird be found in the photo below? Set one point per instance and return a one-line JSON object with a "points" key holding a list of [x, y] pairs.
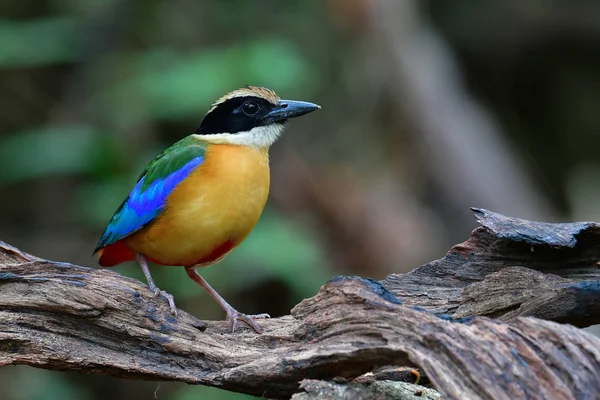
{"points": [[201, 197]]}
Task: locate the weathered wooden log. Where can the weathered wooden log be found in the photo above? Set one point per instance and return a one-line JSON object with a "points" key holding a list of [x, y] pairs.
{"points": [[61, 316], [512, 267]]}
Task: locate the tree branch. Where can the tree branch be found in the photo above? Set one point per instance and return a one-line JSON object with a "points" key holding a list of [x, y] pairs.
{"points": [[66, 317]]}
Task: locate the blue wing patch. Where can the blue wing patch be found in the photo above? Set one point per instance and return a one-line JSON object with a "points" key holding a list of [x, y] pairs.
{"points": [[142, 206]]}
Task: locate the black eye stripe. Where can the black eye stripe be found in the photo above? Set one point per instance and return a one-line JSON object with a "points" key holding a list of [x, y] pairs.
{"points": [[233, 116]]}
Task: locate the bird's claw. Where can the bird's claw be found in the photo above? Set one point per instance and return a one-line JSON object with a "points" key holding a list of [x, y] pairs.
{"points": [[169, 297], [233, 316]]}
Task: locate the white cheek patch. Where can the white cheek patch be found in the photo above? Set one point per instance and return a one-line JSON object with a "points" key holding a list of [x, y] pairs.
{"points": [[260, 137]]}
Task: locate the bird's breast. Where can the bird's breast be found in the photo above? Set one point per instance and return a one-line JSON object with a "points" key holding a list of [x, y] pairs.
{"points": [[211, 211]]}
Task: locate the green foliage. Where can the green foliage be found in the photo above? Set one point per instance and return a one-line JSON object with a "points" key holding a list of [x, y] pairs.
{"points": [[98, 200], [199, 392], [50, 150], [283, 250], [38, 42], [34, 384], [167, 84]]}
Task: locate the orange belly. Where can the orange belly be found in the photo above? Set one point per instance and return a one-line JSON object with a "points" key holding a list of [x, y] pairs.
{"points": [[209, 213]]}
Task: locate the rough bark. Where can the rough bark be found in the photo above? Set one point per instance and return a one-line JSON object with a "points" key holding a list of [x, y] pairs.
{"points": [[61, 316], [512, 267]]}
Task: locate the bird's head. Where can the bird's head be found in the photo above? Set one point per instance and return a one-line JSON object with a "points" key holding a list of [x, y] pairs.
{"points": [[251, 116]]}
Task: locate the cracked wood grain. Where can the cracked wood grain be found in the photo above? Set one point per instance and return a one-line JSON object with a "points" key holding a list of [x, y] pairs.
{"points": [[512, 267], [65, 317]]}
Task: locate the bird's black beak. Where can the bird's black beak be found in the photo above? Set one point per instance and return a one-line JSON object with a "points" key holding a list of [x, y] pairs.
{"points": [[289, 109]]}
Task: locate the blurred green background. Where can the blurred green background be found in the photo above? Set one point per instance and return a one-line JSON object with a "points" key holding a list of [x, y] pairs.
{"points": [[429, 107]]}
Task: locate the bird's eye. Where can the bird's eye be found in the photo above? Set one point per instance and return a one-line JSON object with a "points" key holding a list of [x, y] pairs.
{"points": [[250, 107]]}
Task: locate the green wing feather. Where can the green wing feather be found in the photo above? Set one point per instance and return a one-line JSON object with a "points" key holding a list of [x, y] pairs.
{"points": [[172, 159]]}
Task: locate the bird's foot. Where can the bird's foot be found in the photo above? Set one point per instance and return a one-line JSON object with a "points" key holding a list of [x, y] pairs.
{"points": [[234, 316], [169, 297]]}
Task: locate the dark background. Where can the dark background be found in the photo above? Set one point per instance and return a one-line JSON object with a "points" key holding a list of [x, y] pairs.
{"points": [[429, 107]]}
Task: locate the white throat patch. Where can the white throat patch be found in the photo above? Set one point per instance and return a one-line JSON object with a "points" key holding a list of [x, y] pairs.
{"points": [[260, 137]]}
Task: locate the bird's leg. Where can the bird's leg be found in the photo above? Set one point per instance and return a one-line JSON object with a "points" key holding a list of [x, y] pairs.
{"points": [[232, 314], [157, 292]]}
